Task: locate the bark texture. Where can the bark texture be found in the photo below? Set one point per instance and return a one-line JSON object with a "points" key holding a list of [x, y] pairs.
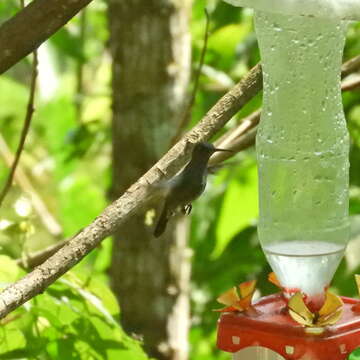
{"points": [[30, 27], [150, 44]]}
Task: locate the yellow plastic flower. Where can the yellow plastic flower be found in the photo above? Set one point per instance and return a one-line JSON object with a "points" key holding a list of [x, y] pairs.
{"points": [[329, 314]]}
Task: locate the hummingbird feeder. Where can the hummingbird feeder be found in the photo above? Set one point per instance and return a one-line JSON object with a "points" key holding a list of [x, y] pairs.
{"points": [[302, 149]]}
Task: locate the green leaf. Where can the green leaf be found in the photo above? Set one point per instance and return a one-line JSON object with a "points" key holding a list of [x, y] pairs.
{"points": [[8, 9], [239, 208], [13, 99], [355, 355], [9, 270], [225, 40], [63, 349], [77, 195], [68, 44], [102, 291], [74, 318], [11, 338], [60, 112], [93, 300]]}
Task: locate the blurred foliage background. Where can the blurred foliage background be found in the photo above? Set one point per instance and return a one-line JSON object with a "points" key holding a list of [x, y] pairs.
{"points": [[66, 163]]}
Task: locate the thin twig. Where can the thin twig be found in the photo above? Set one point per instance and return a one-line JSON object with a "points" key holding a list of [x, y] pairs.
{"points": [[34, 259], [31, 260], [9, 319], [185, 119], [23, 181], [28, 116], [79, 96], [238, 139], [351, 84], [350, 66], [245, 125], [201, 64]]}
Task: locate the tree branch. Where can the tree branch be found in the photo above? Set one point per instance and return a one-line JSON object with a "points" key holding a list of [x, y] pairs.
{"points": [[28, 116], [351, 84], [116, 214], [35, 259], [238, 139], [30, 27], [350, 66]]}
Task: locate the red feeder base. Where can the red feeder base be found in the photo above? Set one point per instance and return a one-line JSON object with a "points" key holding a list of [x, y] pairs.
{"points": [[270, 326]]}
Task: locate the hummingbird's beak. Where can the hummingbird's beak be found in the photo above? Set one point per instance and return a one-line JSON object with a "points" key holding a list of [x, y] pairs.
{"points": [[217, 149]]}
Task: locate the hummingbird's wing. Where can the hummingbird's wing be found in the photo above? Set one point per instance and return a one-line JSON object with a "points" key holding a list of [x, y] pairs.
{"points": [[214, 169], [162, 222]]}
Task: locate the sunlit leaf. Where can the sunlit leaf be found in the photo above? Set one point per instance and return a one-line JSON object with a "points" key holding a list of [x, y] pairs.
{"points": [[98, 288], [9, 270], [239, 208], [68, 44], [225, 40], [92, 299], [355, 355], [11, 338]]}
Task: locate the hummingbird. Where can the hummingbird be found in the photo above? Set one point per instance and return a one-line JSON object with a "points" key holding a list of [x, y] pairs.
{"points": [[186, 186]]}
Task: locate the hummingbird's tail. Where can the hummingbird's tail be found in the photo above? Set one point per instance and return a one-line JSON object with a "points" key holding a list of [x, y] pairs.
{"points": [[161, 224]]}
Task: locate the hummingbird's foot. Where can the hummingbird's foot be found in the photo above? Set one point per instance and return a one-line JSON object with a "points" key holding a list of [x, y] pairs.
{"points": [[187, 209]]}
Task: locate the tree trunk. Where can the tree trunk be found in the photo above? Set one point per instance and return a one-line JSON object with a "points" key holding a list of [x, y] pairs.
{"points": [[150, 43]]}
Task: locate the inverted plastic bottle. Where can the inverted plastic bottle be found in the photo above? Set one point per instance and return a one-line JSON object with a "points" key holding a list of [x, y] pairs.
{"points": [[302, 148], [302, 142]]}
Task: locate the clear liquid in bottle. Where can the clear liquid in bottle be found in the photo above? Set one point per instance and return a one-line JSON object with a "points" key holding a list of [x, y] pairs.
{"points": [[306, 266]]}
